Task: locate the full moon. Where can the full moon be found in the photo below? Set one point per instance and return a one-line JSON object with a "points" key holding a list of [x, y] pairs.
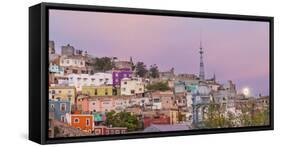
{"points": [[246, 91]]}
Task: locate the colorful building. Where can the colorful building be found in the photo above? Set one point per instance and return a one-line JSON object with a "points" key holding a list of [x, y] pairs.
{"points": [[119, 74], [132, 86], [182, 87], [84, 122], [62, 92], [83, 104], [103, 104], [163, 100], [97, 90], [79, 80], [59, 108], [99, 118], [162, 119], [54, 68]]}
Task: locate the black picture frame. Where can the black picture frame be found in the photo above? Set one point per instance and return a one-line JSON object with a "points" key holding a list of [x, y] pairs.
{"points": [[38, 69]]}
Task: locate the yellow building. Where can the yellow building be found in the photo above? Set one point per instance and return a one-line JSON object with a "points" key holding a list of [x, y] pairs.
{"points": [[97, 90], [173, 114], [63, 92]]}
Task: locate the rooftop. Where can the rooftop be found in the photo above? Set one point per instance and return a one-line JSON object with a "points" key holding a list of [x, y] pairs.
{"points": [[164, 128]]}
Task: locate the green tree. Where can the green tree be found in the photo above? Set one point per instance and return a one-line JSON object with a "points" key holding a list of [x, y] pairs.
{"points": [[162, 86], [153, 71], [217, 118], [103, 64], [122, 119], [141, 69], [252, 117]]}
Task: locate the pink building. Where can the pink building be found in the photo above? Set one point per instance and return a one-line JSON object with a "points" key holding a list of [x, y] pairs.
{"points": [[83, 104], [104, 104]]}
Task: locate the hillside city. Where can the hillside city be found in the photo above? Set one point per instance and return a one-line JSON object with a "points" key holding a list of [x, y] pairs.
{"points": [[92, 96]]}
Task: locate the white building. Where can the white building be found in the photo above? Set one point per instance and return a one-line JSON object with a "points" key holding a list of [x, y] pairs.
{"points": [[101, 79], [189, 107], [79, 80], [132, 86], [74, 61], [121, 104], [142, 101]]}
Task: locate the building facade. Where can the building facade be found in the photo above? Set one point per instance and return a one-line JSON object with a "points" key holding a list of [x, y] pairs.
{"points": [[62, 92], [82, 122], [119, 74], [60, 108], [67, 50], [97, 90], [132, 86]]}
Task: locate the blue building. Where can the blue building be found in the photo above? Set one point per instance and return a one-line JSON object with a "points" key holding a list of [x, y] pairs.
{"points": [[54, 68], [60, 109], [182, 86], [201, 98]]}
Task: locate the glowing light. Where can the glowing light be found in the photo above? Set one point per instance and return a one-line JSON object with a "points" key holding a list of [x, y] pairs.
{"points": [[246, 91]]}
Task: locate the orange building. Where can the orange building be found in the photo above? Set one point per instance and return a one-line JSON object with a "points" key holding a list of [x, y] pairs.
{"points": [[83, 122]]}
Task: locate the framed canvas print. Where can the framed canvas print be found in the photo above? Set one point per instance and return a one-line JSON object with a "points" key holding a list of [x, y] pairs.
{"points": [[103, 73]]}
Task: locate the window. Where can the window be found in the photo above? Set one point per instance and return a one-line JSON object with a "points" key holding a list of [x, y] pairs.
{"points": [[125, 83], [88, 122], [132, 91], [67, 61], [97, 131], [106, 91], [123, 131], [156, 100], [62, 119], [52, 106], [81, 63], [76, 120], [93, 103], [111, 131], [59, 91], [124, 89], [117, 131], [62, 107], [96, 92], [107, 132]]}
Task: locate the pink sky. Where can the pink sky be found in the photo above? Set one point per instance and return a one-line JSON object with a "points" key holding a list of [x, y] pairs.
{"points": [[233, 50]]}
